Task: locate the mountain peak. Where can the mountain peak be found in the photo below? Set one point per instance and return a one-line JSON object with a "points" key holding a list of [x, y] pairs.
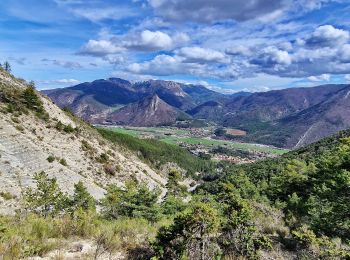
{"points": [[150, 111], [120, 81]]}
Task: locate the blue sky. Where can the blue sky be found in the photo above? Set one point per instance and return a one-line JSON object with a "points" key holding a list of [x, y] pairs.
{"points": [[226, 45]]}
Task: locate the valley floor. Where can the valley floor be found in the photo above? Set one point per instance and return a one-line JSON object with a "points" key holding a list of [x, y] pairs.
{"points": [[203, 141]]}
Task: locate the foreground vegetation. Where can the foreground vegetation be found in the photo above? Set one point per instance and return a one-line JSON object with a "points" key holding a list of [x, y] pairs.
{"points": [[293, 207]]}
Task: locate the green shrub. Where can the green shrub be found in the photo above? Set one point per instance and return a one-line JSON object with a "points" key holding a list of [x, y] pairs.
{"points": [[19, 128], [15, 120], [63, 162], [47, 199], [50, 159], [82, 199], [103, 158], [68, 128], [191, 236], [135, 200], [6, 195], [86, 146]]}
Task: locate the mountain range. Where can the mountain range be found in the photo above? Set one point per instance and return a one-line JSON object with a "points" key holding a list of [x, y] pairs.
{"points": [[285, 118]]}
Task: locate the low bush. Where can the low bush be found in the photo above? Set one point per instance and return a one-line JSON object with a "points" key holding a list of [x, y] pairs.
{"points": [[63, 162], [6, 195], [50, 159]]}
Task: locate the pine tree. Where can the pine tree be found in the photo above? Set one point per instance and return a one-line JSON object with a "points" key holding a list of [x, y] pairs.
{"points": [[82, 199], [47, 199], [7, 66]]}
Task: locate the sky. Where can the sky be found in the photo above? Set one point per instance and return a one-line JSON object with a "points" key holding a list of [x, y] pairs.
{"points": [[225, 45]]}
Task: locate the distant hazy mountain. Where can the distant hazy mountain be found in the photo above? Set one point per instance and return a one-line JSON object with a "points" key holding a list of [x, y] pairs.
{"points": [[286, 118], [324, 119], [276, 104], [291, 117]]}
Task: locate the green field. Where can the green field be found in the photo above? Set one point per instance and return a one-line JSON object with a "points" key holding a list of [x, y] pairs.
{"points": [[176, 136], [233, 145]]}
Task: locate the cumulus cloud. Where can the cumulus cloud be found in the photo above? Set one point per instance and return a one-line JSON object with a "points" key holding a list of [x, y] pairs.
{"points": [[206, 11], [239, 50], [144, 41], [113, 59], [100, 48], [323, 77], [344, 53], [327, 35], [163, 65], [167, 65], [347, 77], [271, 56], [201, 55], [292, 58], [325, 51], [150, 41]]}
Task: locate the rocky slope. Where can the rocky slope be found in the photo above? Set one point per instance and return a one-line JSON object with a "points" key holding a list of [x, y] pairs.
{"points": [[77, 151]]}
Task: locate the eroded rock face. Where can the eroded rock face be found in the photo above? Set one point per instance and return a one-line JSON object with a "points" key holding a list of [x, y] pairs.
{"points": [[26, 142], [151, 111]]}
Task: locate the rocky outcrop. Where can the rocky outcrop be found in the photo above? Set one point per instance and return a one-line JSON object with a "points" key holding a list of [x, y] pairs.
{"points": [[151, 111]]}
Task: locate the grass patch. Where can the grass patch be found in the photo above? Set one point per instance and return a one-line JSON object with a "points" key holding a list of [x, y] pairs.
{"points": [[6, 195]]}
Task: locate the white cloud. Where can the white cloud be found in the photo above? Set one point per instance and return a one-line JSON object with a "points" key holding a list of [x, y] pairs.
{"points": [[327, 35], [347, 77], [181, 37], [201, 55], [100, 48], [114, 59], [271, 56], [150, 41], [166, 65], [323, 77], [239, 50], [163, 65], [344, 53], [60, 81], [145, 41]]}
